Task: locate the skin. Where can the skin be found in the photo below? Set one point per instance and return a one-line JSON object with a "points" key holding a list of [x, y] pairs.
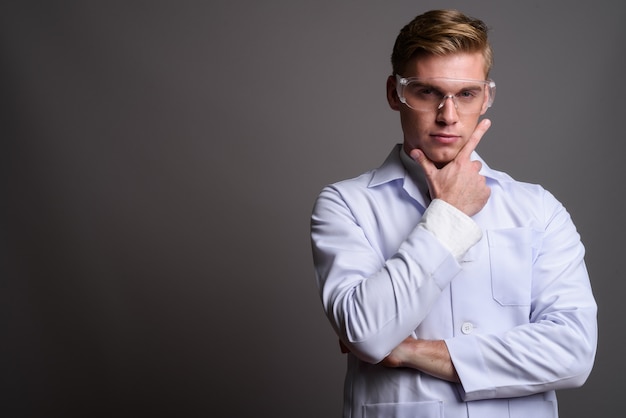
{"points": [[442, 142]]}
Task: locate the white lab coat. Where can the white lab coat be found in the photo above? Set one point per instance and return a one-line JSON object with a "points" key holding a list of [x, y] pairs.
{"points": [[517, 311]]}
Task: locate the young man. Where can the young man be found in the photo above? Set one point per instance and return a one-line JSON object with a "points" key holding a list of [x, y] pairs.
{"points": [[455, 290]]}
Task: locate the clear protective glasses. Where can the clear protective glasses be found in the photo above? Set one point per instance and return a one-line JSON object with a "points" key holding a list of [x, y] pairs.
{"points": [[431, 94]]}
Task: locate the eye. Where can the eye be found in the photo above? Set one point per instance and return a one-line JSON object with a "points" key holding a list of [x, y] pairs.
{"points": [[425, 92], [469, 94]]}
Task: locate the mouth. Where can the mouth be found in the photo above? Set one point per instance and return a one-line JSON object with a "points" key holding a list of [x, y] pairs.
{"points": [[444, 138]]}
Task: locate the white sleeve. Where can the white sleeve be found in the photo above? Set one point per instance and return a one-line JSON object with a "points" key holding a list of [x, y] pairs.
{"points": [[454, 229], [374, 301]]}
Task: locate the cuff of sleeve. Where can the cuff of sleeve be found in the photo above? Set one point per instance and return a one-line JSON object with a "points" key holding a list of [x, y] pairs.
{"points": [[471, 367], [454, 229]]}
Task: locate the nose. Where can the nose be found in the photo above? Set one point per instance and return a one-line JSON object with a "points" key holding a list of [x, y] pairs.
{"points": [[446, 111]]}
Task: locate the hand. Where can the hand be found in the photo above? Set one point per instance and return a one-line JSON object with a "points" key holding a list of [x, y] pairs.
{"points": [[399, 356], [430, 357], [458, 182]]}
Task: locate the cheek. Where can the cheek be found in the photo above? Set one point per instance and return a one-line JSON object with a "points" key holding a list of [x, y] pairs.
{"points": [[415, 123], [469, 124]]}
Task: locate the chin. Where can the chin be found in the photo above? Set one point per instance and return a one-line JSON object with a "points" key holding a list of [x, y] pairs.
{"points": [[440, 164], [440, 160]]}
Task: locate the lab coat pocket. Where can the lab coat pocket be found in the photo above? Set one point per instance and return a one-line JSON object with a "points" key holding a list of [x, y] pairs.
{"points": [[535, 408], [429, 409], [511, 260]]}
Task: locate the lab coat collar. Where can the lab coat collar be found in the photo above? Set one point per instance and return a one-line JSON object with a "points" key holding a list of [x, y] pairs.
{"points": [[394, 169]]}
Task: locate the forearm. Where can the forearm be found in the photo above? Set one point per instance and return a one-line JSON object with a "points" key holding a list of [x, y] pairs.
{"points": [[375, 303], [374, 300], [556, 349], [553, 354], [430, 357]]}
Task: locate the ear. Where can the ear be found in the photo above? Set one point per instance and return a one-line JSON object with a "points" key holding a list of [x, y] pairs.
{"points": [[484, 108], [490, 95], [392, 94]]}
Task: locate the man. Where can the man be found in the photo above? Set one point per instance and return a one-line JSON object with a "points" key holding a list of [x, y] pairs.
{"points": [[456, 290]]}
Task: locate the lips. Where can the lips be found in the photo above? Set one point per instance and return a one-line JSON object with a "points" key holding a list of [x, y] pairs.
{"points": [[444, 138]]}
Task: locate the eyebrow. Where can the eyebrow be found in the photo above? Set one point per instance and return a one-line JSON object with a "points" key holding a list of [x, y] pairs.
{"points": [[476, 86]]}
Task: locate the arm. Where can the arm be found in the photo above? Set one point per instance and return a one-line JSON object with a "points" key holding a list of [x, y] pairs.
{"points": [[372, 303], [555, 350], [373, 299], [430, 357]]}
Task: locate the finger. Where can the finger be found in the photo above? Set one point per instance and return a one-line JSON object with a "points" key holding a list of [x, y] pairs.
{"points": [[474, 139]]}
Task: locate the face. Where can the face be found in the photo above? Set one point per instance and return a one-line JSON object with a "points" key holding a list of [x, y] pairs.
{"points": [[440, 134]]}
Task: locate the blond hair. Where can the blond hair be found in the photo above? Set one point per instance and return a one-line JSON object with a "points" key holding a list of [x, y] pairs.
{"points": [[441, 32]]}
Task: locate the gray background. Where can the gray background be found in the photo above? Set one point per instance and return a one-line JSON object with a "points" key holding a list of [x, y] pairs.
{"points": [[161, 160]]}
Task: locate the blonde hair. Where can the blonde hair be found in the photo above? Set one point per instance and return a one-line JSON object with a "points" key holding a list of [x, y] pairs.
{"points": [[441, 32]]}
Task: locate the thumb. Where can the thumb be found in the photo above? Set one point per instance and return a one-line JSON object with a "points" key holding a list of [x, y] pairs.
{"points": [[419, 156]]}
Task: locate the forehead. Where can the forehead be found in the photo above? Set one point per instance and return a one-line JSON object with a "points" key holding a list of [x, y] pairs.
{"points": [[469, 66]]}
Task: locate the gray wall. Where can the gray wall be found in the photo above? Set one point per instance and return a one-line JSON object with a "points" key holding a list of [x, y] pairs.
{"points": [[161, 161]]}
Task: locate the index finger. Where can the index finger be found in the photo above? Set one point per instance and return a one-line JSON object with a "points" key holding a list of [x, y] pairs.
{"points": [[474, 139]]}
